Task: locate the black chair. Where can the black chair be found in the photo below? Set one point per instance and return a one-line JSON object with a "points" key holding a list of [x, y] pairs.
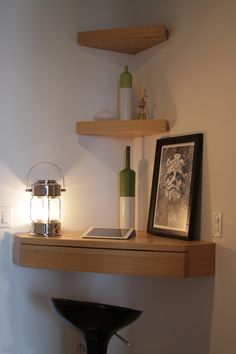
{"points": [[98, 322]]}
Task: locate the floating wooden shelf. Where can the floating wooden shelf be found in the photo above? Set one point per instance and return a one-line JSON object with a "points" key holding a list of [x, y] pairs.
{"points": [[144, 255], [122, 128], [124, 40]]}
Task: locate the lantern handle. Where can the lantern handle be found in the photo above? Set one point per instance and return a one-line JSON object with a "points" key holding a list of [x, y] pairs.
{"points": [[28, 189]]}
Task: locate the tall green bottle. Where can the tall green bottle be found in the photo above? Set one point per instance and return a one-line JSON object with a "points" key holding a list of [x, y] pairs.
{"points": [[127, 194], [125, 95]]}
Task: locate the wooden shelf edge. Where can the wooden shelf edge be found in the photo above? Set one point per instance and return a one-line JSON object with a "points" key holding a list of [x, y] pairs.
{"points": [[131, 40], [122, 128], [144, 255]]}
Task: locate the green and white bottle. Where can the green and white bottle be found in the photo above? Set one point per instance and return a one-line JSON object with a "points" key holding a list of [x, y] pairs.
{"points": [[125, 95], [127, 194]]}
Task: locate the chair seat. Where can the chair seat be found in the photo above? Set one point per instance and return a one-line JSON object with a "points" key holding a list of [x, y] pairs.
{"points": [[97, 321]]}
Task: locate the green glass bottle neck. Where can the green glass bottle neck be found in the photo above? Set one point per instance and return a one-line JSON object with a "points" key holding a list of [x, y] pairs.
{"points": [[127, 157]]}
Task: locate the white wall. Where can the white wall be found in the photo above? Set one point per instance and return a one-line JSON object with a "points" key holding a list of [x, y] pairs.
{"points": [[48, 83]]}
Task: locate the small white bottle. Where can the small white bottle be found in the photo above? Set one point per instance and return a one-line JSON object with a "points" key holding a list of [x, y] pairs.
{"points": [[125, 95]]}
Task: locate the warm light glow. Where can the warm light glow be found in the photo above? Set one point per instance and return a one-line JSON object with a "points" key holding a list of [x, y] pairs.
{"points": [[45, 209]]}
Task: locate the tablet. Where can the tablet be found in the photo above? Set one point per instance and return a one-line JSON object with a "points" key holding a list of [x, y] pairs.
{"points": [[109, 232]]}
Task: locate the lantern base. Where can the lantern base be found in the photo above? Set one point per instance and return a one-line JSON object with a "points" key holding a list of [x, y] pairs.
{"points": [[50, 229]]}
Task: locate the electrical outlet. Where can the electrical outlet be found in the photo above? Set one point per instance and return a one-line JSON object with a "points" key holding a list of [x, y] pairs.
{"points": [[216, 225]]}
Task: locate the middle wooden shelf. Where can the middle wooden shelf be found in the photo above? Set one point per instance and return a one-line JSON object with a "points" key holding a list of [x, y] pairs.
{"points": [[122, 128]]}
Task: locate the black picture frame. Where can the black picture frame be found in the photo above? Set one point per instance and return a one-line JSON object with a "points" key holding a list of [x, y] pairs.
{"points": [[176, 187]]}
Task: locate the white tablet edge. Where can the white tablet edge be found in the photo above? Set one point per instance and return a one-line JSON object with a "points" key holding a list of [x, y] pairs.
{"points": [[127, 235]]}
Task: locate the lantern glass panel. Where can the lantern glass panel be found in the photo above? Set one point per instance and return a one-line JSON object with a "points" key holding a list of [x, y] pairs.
{"points": [[45, 209]]}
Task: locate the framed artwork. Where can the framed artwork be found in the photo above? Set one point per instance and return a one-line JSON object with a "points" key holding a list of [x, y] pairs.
{"points": [[175, 187]]}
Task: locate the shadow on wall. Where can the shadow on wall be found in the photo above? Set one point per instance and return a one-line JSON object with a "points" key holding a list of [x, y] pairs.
{"points": [[160, 101], [6, 280], [142, 195], [59, 331], [223, 331], [177, 316]]}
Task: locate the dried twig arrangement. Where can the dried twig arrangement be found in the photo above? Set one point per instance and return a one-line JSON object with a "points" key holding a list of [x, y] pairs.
{"points": [[142, 95]]}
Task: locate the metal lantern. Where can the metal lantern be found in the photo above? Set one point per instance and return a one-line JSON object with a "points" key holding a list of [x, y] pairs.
{"points": [[45, 204]]}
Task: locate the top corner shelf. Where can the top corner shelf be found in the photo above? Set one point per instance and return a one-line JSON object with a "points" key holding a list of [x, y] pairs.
{"points": [[124, 40]]}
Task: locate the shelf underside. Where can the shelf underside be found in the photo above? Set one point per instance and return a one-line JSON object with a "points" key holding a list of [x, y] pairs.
{"points": [[122, 128], [124, 40]]}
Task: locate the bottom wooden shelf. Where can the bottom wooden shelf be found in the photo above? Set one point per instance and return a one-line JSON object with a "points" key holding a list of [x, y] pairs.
{"points": [[144, 255]]}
